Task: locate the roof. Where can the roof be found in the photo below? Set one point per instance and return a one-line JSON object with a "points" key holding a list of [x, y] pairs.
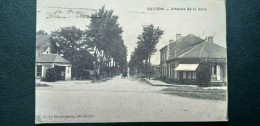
{"points": [[51, 58], [42, 42], [192, 46], [183, 44], [205, 50], [163, 48]]}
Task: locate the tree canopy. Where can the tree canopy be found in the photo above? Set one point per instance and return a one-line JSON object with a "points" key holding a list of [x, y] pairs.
{"points": [[99, 47], [146, 44], [69, 43], [104, 36], [41, 32]]}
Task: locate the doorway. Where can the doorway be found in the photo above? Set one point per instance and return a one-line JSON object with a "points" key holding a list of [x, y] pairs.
{"points": [[60, 72]]}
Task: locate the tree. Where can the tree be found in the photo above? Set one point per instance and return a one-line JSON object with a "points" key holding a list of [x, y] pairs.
{"points": [[146, 45], [136, 64], [41, 32], [70, 44], [83, 61], [104, 36]]}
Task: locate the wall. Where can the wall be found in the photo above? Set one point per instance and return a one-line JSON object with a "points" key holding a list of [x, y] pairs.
{"points": [[68, 73], [46, 66], [167, 70]]}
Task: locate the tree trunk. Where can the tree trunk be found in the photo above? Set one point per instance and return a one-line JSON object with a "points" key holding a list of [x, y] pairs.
{"points": [[102, 64], [149, 74], [145, 68], [95, 65], [114, 67], [107, 66]]}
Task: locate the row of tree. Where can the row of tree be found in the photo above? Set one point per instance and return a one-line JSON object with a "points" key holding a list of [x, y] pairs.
{"points": [[105, 37], [141, 57], [100, 47]]}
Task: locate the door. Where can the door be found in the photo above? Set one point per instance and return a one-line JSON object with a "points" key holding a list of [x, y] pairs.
{"points": [[61, 72], [180, 75]]}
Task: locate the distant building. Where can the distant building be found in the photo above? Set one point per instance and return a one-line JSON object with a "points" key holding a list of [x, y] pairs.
{"points": [[45, 60], [192, 60]]}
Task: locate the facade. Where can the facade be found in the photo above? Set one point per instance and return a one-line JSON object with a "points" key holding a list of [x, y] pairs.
{"points": [[192, 60], [45, 60], [164, 53]]}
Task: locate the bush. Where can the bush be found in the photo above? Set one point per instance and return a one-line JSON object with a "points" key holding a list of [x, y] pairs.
{"points": [[204, 75], [163, 78], [82, 75], [51, 75]]}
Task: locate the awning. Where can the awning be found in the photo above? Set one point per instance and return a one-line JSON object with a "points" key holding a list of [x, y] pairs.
{"points": [[187, 67]]}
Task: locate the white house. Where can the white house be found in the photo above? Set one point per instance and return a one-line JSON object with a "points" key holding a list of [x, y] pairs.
{"points": [[46, 60], [192, 60]]}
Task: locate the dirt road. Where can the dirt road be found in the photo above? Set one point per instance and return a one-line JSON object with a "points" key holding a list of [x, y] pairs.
{"points": [[120, 100]]}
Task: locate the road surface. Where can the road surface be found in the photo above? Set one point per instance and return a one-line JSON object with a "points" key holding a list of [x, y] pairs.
{"points": [[120, 100]]}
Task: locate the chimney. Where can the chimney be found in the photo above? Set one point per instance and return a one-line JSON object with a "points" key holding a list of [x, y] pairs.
{"points": [[171, 41], [178, 36], [210, 39]]}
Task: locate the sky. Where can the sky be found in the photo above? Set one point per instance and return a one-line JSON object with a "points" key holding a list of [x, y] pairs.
{"points": [[134, 14]]}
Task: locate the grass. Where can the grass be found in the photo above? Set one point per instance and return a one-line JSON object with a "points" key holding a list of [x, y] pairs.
{"points": [[196, 92], [169, 81]]}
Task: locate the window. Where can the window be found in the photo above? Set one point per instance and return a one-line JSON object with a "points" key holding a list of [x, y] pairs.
{"points": [[189, 75], [62, 73], [165, 58], [161, 57], [165, 71], [215, 69], [194, 75], [162, 70], [39, 70], [184, 75]]}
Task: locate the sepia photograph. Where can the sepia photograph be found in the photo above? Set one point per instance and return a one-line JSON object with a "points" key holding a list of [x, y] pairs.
{"points": [[104, 61]]}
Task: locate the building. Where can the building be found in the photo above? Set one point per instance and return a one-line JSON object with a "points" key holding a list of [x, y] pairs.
{"points": [[192, 60], [45, 60]]}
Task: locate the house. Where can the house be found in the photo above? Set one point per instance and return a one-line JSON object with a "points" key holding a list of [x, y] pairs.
{"points": [[192, 60], [164, 57], [46, 59]]}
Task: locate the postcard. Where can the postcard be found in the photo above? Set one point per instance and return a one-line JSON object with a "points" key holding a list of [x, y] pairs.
{"points": [[104, 61]]}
